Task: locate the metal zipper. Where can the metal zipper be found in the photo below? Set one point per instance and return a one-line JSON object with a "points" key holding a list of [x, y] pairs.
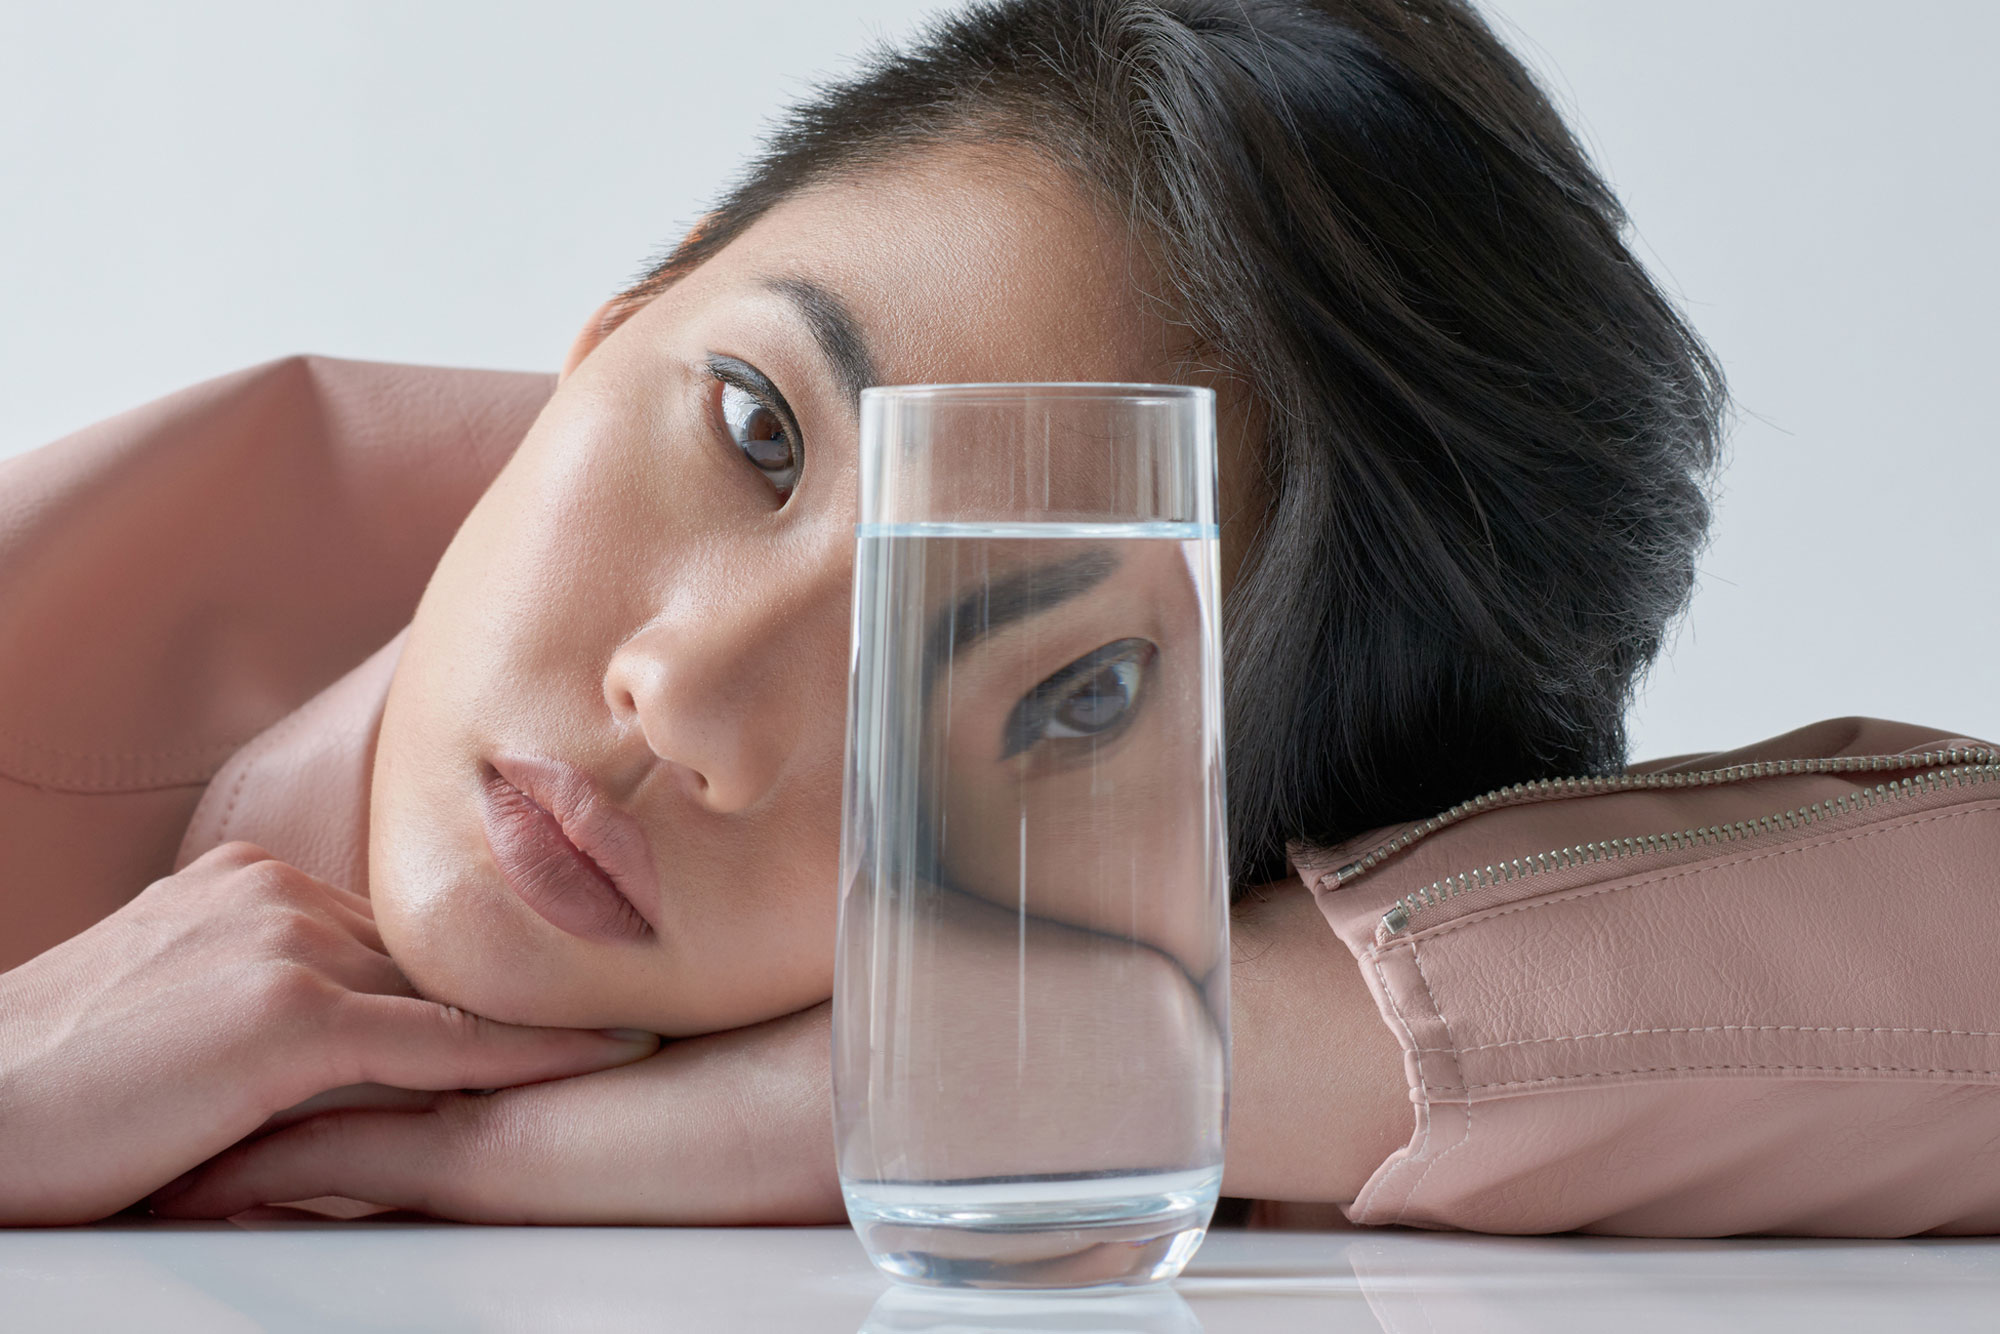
{"points": [[1955, 767]]}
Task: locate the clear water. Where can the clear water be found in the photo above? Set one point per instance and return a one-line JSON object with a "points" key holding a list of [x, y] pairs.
{"points": [[1031, 1045], [1062, 1231]]}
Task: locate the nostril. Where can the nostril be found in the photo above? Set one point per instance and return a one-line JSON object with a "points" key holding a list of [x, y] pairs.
{"points": [[683, 693]]}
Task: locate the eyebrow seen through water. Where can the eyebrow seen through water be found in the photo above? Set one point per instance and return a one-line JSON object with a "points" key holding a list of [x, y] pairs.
{"points": [[1012, 597]]}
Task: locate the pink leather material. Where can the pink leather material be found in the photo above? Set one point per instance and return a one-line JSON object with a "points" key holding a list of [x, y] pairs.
{"points": [[1797, 1037], [176, 579], [299, 789]]}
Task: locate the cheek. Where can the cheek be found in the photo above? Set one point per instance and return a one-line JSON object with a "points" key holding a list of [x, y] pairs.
{"points": [[1115, 847], [550, 562], [423, 853], [476, 645]]}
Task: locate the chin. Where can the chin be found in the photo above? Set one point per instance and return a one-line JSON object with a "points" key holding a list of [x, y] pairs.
{"points": [[458, 951]]}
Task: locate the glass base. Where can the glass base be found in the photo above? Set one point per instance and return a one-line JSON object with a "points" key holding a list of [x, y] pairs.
{"points": [[1038, 1234]]}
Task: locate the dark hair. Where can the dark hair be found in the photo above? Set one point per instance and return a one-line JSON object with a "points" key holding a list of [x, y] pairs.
{"points": [[1486, 433]]}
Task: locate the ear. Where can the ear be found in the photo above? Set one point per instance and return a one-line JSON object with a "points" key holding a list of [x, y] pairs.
{"points": [[594, 331]]}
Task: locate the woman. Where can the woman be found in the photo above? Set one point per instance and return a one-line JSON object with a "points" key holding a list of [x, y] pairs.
{"points": [[1465, 439]]}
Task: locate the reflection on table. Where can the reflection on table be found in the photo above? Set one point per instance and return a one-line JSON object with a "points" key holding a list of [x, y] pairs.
{"points": [[304, 1276]]}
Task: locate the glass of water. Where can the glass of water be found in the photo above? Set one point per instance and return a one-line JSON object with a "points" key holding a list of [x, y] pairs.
{"points": [[1031, 995]]}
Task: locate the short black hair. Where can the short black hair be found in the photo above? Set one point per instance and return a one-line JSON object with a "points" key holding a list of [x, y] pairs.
{"points": [[1486, 434]]}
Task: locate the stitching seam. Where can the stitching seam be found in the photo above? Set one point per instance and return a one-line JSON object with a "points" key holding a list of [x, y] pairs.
{"points": [[1717, 1028], [146, 778], [1367, 1198], [246, 759], [1721, 1069], [1430, 993], [205, 749]]}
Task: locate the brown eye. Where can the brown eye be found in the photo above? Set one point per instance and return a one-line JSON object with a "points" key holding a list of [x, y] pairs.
{"points": [[1095, 696], [763, 435], [1096, 703]]}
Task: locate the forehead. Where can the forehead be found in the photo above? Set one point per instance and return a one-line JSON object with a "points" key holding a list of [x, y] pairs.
{"points": [[977, 262]]}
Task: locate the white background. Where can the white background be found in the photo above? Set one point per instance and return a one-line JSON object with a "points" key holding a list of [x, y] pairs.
{"points": [[188, 189]]}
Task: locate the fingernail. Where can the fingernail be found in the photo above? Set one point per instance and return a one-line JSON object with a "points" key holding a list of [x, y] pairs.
{"points": [[634, 1035]]}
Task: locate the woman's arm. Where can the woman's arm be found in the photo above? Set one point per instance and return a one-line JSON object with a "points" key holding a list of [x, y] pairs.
{"points": [[733, 1127], [1793, 1029], [1318, 1097], [736, 1127]]}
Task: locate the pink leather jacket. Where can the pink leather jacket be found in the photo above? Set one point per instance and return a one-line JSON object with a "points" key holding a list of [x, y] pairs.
{"points": [[202, 602]]}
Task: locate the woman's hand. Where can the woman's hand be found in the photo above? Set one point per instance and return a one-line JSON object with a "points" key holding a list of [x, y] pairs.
{"points": [[733, 1127], [736, 1127], [203, 1009]]}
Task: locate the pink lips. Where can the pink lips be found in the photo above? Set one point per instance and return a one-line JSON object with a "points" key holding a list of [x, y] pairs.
{"points": [[578, 861]]}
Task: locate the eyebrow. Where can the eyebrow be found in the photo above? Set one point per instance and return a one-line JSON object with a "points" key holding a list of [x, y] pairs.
{"points": [[835, 330], [1012, 597]]}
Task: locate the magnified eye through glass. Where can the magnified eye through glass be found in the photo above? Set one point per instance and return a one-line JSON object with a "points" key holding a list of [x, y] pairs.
{"points": [[1057, 765], [1031, 992], [1092, 697]]}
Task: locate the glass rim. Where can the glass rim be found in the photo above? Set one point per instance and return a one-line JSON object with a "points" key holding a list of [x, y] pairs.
{"points": [[1014, 390]]}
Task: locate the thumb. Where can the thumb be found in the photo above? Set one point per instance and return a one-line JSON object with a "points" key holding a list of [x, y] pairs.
{"points": [[406, 1042]]}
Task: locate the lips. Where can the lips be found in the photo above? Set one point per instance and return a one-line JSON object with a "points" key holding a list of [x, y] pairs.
{"points": [[579, 862]]}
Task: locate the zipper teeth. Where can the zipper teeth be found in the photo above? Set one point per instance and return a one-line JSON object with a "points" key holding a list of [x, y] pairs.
{"points": [[1548, 788], [1964, 766]]}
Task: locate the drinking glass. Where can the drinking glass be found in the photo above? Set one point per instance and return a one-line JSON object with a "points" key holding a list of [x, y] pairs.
{"points": [[1031, 993]]}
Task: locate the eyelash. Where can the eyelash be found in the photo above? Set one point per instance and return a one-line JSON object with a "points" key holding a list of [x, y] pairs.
{"points": [[1030, 721], [731, 374]]}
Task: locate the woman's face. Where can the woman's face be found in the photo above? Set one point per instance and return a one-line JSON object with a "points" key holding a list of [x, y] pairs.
{"points": [[642, 626]]}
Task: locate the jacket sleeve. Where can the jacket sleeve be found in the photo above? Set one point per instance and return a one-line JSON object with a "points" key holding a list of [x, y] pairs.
{"points": [[1806, 1042], [175, 579]]}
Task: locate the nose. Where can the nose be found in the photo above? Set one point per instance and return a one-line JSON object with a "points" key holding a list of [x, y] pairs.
{"points": [[725, 698]]}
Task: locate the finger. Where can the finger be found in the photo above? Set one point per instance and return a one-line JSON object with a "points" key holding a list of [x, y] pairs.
{"points": [[359, 925], [359, 963], [376, 1097], [402, 1160], [353, 901], [354, 966], [410, 1043], [549, 1154], [709, 1130], [239, 855]]}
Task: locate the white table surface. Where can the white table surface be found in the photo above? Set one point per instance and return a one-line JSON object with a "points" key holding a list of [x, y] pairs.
{"points": [[221, 1278]]}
